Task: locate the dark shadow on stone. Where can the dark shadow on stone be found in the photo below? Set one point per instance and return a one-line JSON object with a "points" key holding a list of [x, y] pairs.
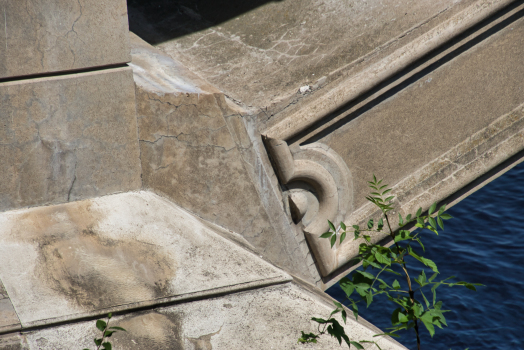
{"points": [[157, 21]]}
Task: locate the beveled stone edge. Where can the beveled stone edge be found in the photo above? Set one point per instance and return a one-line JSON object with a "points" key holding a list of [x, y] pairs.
{"points": [[355, 86], [443, 189], [139, 306]]}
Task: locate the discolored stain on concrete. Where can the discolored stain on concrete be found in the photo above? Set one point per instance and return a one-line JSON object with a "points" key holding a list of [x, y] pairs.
{"points": [[87, 268], [204, 341], [150, 330]]}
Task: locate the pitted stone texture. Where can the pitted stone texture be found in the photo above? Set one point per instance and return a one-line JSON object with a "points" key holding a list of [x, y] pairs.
{"points": [[51, 36], [191, 154], [116, 252], [67, 138], [268, 318], [265, 55]]}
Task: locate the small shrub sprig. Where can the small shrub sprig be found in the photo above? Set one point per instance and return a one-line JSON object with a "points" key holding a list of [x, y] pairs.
{"points": [[413, 308], [107, 332]]}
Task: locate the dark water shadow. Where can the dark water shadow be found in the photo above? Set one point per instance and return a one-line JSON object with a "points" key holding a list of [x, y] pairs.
{"points": [[157, 21]]}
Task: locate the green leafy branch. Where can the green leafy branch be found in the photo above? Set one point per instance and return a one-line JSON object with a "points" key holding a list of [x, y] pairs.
{"points": [[412, 306], [107, 332]]}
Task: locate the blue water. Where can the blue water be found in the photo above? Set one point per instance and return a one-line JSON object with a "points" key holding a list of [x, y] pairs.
{"points": [[483, 243]]}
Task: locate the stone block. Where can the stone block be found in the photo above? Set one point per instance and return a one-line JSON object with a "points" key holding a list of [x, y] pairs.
{"points": [[60, 35], [67, 138], [189, 153], [117, 252]]}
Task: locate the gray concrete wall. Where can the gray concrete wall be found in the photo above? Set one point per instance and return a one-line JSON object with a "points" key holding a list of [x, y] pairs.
{"points": [[73, 136]]}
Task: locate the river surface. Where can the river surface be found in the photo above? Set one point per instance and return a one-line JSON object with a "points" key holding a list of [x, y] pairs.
{"points": [[483, 243]]}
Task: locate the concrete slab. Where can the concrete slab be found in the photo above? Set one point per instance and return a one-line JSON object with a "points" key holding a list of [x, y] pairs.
{"points": [[115, 253], [267, 53], [266, 318], [52, 36], [67, 138]]}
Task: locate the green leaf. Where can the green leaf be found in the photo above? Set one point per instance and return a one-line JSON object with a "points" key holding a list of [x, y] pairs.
{"points": [[369, 298], [356, 227], [370, 224], [101, 325], [433, 276], [419, 212], [425, 300], [109, 315], [432, 208], [319, 320], [408, 218], [389, 198], [344, 316], [118, 328], [400, 221], [357, 345], [108, 334], [380, 224], [381, 258], [107, 346], [442, 209], [331, 226], [343, 225], [396, 285], [386, 191], [326, 234], [427, 319], [98, 342], [446, 216], [432, 222], [308, 338], [354, 308], [342, 237], [440, 222], [367, 238], [333, 240]]}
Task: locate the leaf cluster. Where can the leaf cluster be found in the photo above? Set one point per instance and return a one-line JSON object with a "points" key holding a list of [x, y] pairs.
{"points": [[406, 293], [107, 332]]}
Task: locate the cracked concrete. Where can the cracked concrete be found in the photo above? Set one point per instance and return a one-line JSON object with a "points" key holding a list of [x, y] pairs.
{"points": [[191, 154], [42, 37], [67, 138], [262, 57]]}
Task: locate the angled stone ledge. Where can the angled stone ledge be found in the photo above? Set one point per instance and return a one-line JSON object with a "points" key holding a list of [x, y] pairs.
{"points": [[67, 138], [54, 36], [265, 318], [116, 253]]}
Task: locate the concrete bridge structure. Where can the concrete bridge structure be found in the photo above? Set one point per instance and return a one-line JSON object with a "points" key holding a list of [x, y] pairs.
{"points": [[175, 162]]}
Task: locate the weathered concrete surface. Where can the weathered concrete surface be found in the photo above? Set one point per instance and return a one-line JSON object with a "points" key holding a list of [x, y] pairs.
{"points": [[265, 55], [193, 145], [428, 134], [67, 138], [8, 317], [441, 109], [267, 318], [52, 36], [114, 253]]}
